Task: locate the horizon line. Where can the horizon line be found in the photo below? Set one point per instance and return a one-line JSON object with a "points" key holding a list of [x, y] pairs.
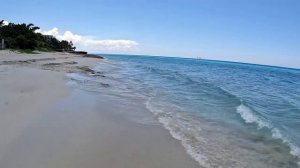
{"points": [[205, 59]]}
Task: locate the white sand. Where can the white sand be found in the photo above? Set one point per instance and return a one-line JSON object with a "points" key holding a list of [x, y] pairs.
{"points": [[45, 124], [26, 89]]}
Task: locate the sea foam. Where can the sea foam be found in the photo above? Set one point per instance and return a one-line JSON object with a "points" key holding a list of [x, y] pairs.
{"points": [[249, 116], [168, 123]]}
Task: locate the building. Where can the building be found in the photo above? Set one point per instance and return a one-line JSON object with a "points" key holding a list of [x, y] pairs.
{"points": [[2, 44]]}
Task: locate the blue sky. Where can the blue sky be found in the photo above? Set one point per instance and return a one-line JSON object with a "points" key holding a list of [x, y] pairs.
{"points": [[254, 31]]}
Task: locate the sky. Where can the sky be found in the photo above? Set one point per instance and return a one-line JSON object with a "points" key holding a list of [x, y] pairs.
{"points": [[252, 31]]}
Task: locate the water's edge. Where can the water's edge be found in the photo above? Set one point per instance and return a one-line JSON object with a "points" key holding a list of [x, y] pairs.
{"points": [[239, 136]]}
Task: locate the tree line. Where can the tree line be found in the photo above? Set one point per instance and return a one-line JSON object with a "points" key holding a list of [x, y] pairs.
{"points": [[25, 36]]}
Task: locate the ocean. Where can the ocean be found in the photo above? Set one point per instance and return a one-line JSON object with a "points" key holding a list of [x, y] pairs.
{"points": [[225, 114]]}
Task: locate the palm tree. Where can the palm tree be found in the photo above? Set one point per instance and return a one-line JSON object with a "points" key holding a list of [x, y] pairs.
{"points": [[1, 23], [31, 27], [35, 28]]}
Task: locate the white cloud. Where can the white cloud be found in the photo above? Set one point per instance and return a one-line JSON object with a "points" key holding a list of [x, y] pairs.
{"points": [[91, 44], [5, 22]]}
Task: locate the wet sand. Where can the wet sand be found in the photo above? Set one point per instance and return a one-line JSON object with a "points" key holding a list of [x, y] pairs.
{"points": [[45, 123]]}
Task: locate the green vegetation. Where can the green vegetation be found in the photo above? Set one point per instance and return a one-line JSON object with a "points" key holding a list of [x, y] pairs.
{"points": [[24, 37]]}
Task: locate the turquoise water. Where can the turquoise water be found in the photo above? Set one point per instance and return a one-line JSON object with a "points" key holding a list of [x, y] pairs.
{"points": [[224, 114]]}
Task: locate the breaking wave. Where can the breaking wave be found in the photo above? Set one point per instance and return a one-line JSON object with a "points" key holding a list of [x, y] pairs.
{"points": [[250, 117]]}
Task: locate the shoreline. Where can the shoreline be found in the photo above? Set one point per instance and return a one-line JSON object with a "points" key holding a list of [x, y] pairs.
{"points": [[45, 123]]}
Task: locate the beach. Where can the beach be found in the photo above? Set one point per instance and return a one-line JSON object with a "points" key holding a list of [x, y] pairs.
{"points": [[150, 84], [47, 121]]}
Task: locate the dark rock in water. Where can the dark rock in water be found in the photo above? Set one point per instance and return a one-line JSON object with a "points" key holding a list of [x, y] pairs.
{"points": [[59, 64], [94, 56], [41, 59], [98, 75], [70, 62], [15, 62], [105, 85], [25, 61], [52, 64], [86, 69]]}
